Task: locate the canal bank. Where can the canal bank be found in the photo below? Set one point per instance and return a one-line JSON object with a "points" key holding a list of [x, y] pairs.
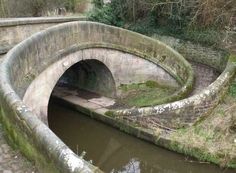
{"points": [[175, 140], [114, 151]]}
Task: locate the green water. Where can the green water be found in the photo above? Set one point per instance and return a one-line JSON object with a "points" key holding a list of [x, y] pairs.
{"points": [[114, 151]]}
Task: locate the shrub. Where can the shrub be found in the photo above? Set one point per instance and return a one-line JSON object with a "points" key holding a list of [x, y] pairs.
{"points": [[195, 20], [111, 14]]}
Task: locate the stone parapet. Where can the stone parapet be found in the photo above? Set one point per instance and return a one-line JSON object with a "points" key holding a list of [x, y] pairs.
{"points": [[15, 30]]}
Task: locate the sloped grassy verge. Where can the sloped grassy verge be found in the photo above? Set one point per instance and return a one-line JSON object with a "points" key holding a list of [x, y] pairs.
{"points": [[214, 138], [144, 94]]}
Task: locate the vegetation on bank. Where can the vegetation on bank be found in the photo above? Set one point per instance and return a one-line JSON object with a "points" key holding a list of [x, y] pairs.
{"points": [[214, 139], [202, 21], [196, 20], [144, 94]]}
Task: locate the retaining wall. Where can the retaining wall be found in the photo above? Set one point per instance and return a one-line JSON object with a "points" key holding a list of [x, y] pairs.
{"points": [[188, 111], [214, 58], [184, 112]]}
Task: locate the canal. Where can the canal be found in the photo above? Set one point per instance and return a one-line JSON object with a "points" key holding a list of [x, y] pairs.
{"points": [[116, 152]]}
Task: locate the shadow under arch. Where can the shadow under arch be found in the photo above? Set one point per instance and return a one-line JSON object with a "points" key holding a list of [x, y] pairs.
{"points": [[91, 75], [68, 70]]}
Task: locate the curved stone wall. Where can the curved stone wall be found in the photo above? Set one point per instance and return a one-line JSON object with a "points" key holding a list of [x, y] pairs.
{"points": [[188, 111], [216, 59], [125, 69], [70, 38], [184, 112], [31, 57]]}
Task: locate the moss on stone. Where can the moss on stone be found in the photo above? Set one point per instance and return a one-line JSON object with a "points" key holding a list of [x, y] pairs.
{"points": [[18, 140], [232, 58], [109, 113], [152, 84]]}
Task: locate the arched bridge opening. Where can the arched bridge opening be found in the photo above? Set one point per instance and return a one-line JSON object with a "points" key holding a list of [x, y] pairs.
{"points": [[89, 76]]}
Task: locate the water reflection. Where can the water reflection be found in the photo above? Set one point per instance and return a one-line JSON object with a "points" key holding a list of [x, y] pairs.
{"points": [[115, 152], [132, 167]]}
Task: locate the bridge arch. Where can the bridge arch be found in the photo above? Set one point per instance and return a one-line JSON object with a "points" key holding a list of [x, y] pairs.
{"points": [[29, 59], [109, 69], [91, 75]]}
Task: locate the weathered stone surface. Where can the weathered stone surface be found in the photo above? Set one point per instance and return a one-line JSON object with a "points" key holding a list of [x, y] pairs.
{"points": [[103, 101], [197, 53], [125, 68], [34, 55], [184, 112], [15, 30], [1, 57], [178, 69], [204, 76], [31, 135]]}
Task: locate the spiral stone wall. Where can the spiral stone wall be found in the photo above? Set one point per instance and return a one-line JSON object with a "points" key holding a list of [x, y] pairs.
{"points": [[30, 58]]}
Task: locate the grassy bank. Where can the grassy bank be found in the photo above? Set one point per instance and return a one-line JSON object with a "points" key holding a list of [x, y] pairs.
{"points": [[214, 138], [144, 94]]}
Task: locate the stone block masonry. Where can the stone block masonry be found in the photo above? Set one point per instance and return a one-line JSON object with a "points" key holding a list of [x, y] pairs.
{"points": [[184, 112], [13, 31]]}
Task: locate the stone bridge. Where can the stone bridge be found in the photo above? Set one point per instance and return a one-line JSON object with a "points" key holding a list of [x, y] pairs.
{"points": [[14, 30], [31, 69]]}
